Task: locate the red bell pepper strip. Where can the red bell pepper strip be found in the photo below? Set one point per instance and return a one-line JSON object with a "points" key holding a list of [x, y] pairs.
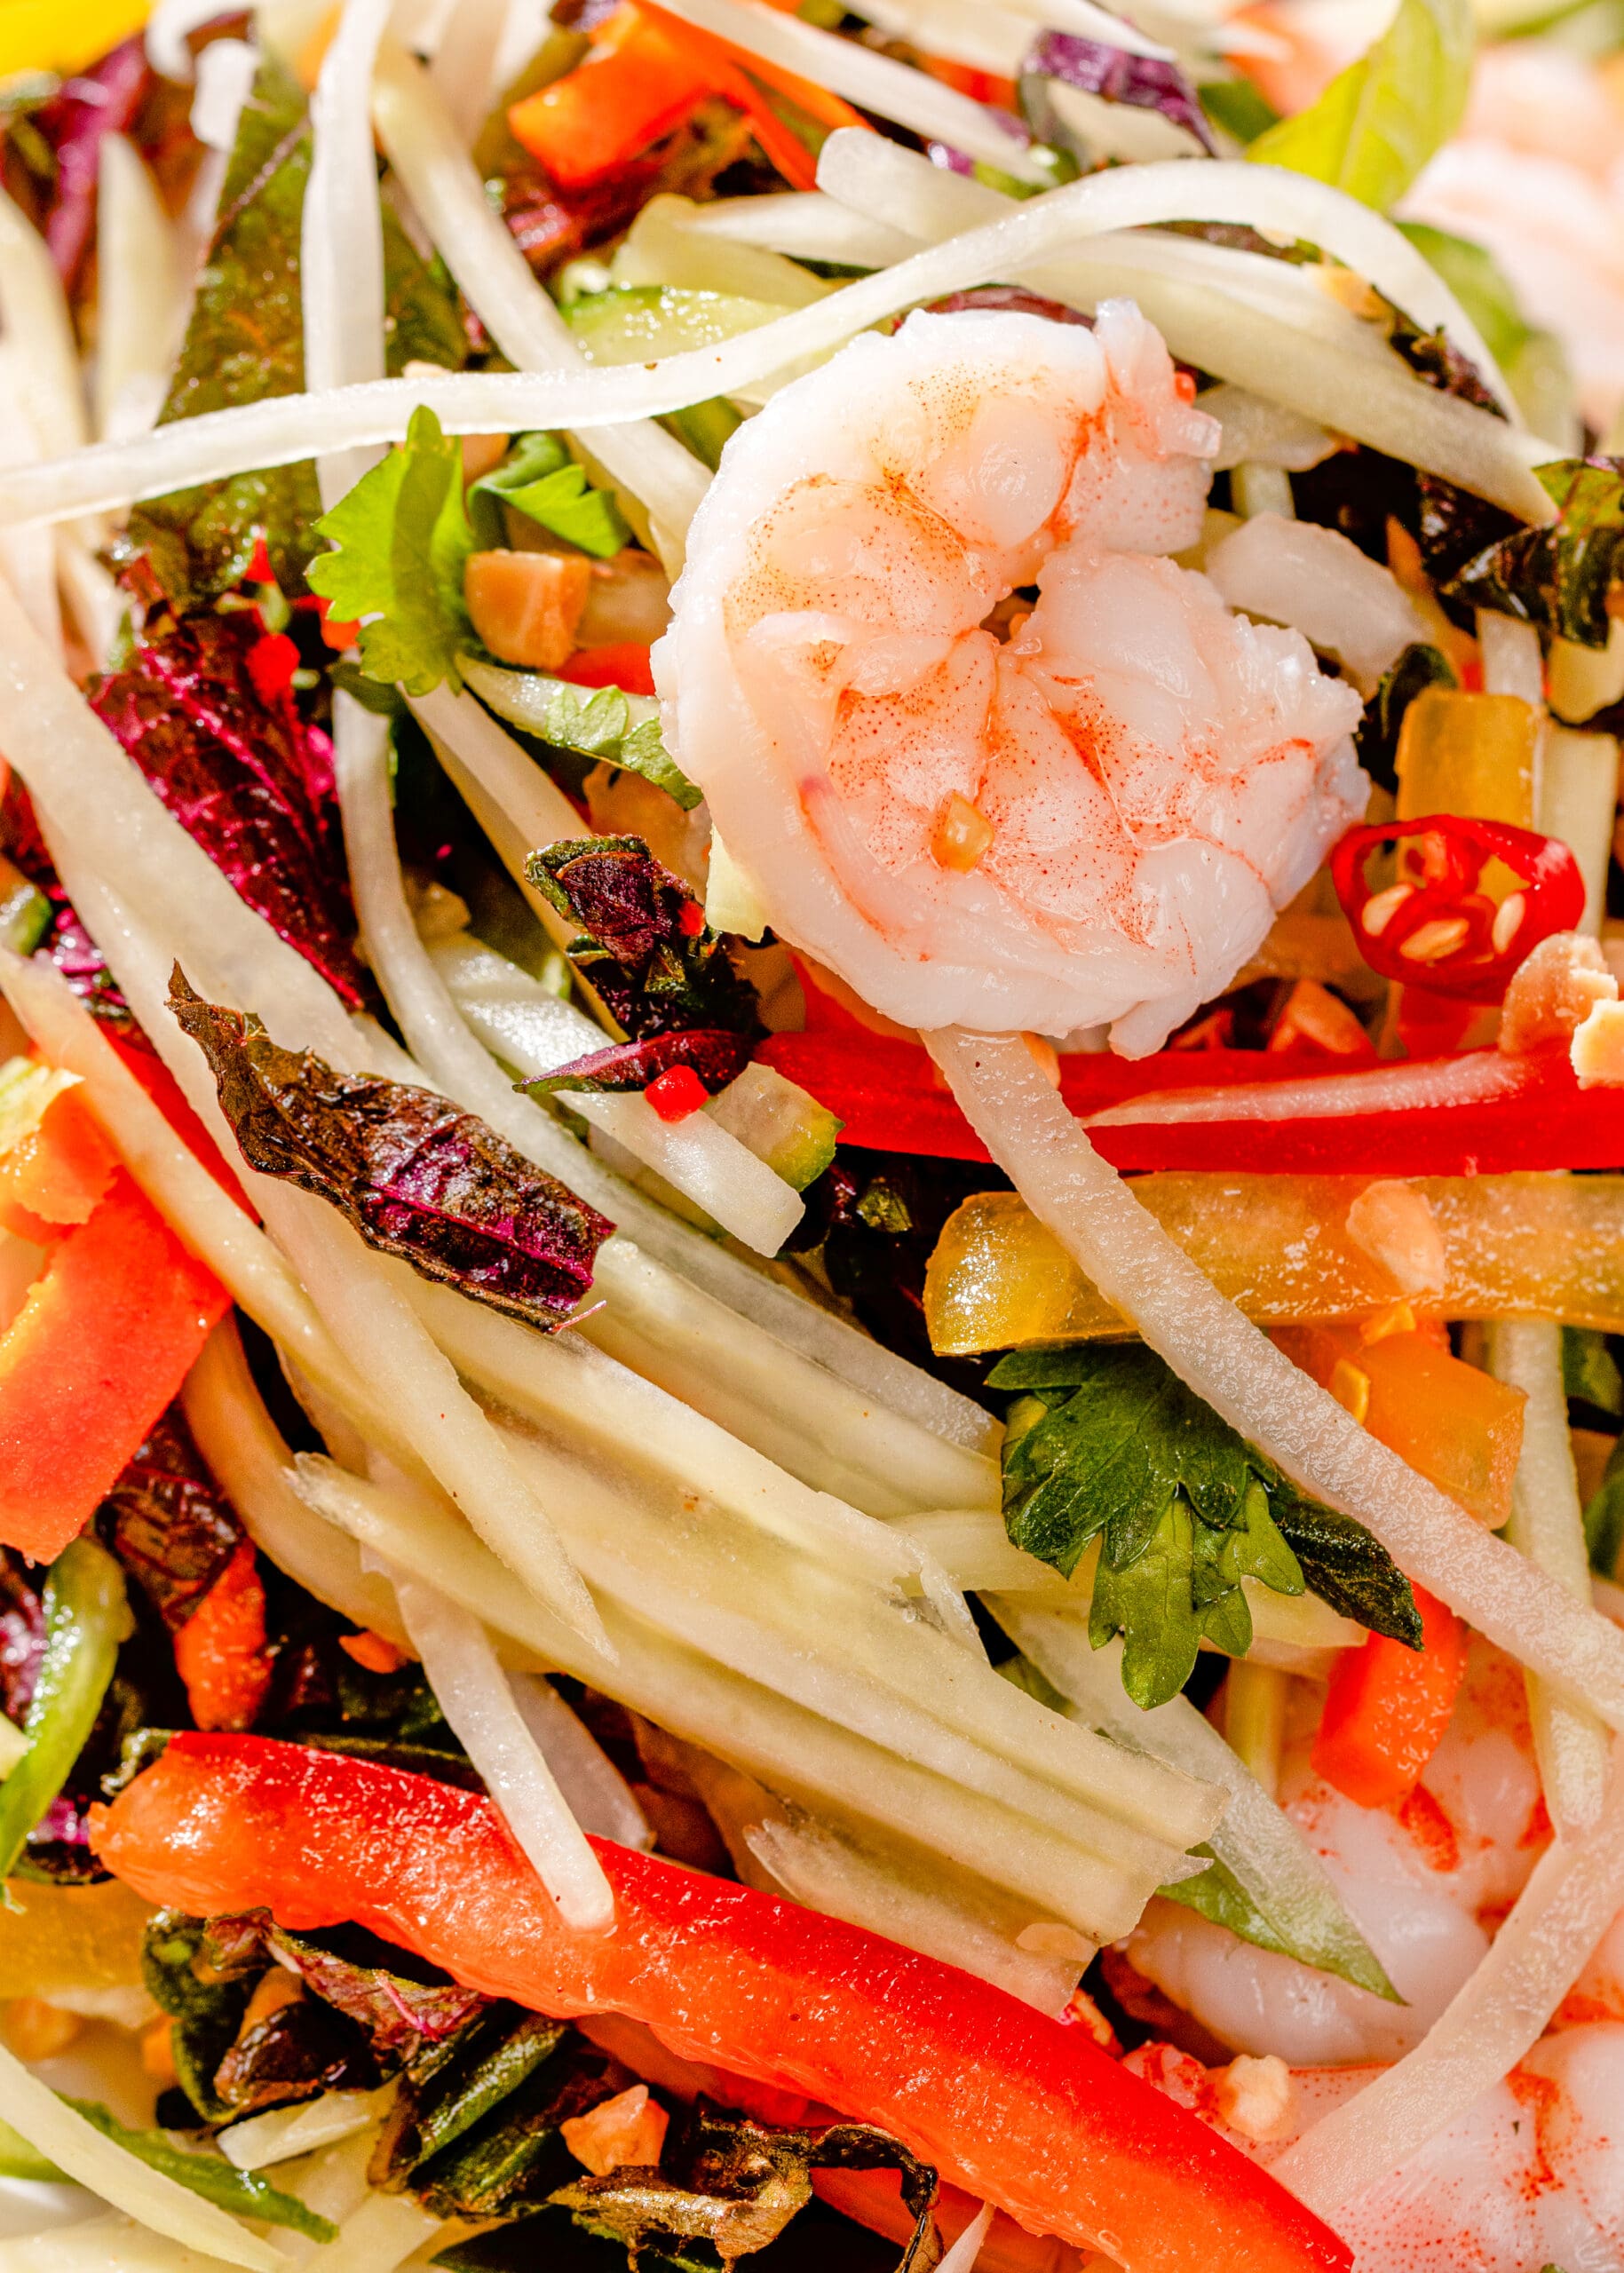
{"points": [[98, 1351], [1388, 1708], [1437, 929], [1480, 1112], [57, 1174], [221, 1650], [638, 86], [1029, 2114]]}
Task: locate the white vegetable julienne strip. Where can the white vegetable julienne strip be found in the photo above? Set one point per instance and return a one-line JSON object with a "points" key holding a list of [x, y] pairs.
{"points": [[167, 29], [1473, 1079], [1548, 1525], [76, 2147], [28, 555], [693, 1697], [661, 249], [878, 83], [1289, 206], [383, 2233], [1449, 437], [142, 293], [987, 38], [473, 1692], [281, 2133], [34, 311], [1490, 2024], [464, 70], [597, 1794], [806, 225], [1260, 432], [1257, 1389], [425, 149], [241, 1443], [696, 1155], [341, 249], [1259, 1842], [966, 2251]]}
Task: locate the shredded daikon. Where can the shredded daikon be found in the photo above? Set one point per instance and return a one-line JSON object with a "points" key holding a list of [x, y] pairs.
{"points": [[1548, 1525], [1491, 2024], [966, 2251], [466, 66], [427, 153], [596, 1793], [1226, 1359], [281, 2133], [1259, 433], [341, 247], [1319, 582], [805, 224], [1448, 436], [1259, 1842], [142, 293], [471, 1691], [146, 2195]]}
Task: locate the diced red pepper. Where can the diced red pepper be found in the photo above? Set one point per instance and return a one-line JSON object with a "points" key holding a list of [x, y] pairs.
{"points": [[1388, 1708], [625, 665], [638, 86], [1283, 1112], [677, 1094], [1436, 929], [57, 1174], [1029, 2114], [221, 1650], [98, 1351]]}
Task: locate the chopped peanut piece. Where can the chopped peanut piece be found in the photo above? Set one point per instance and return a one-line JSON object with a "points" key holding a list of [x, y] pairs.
{"points": [[36, 2031], [1257, 2097], [1351, 1386], [1082, 2012], [1398, 1318], [1553, 992], [1313, 1014], [1045, 1057], [527, 607], [628, 2130], [1597, 1050], [1395, 1226]]}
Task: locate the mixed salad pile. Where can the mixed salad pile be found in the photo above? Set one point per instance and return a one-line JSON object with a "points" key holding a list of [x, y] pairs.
{"points": [[812, 1153]]}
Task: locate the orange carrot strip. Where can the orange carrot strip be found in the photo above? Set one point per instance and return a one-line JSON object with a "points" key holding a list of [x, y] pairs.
{"points": [[1388, 1708], [220, 1651]]}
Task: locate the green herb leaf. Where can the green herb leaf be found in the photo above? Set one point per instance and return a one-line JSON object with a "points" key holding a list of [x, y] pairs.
{"points": [[1559, 577], [87, 1617], [206, 2013], [1605, 1518], [1219, 1893], [1590, 1371], [540, 479], [1107, 1443], [245, 341], [1377, 740], [244, 2192], [1532, 360], [1379, 122], [1237, 107], [402, 542], [601, 722]]}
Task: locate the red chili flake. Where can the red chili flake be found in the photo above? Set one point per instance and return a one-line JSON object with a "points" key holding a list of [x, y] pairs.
{"points": [[676, 1094], [691, 918], [259, 568]]}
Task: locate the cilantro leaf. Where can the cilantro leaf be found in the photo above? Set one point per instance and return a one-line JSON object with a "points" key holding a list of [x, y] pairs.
{"points": [[1378, 123], [1107, 1443], [616, 728], [402, 542], [1217, 1893], [540, 479]]}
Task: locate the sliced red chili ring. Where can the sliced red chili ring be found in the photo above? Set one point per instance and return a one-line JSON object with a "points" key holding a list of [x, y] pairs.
{"points": [[1437, 929]]}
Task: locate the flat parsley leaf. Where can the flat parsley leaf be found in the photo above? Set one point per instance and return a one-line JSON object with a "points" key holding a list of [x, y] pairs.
{"points": [[1378, 123], [1557, 578], [402, 542], [1107, 1443], [615, 728], [540, 479]]}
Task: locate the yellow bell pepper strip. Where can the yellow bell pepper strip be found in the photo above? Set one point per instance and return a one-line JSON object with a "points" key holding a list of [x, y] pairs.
{"points": [[87, 1616], [1514, 1247], [99, 1349], [1030, 2114]]}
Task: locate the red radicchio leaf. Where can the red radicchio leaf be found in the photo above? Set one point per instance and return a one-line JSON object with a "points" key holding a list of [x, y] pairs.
{"points": [[168, 1524], [88, 106], [417, 1177], [399, 2015], [717, 1055], [22, 1636], [1112, 75], [208, 717]]}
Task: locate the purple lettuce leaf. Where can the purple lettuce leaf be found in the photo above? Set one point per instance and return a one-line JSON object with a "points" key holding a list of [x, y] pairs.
{"points": [[168, 1524], [87, 107], [1010, 299], [646, 951], [717, 1055], [22, 1635], [399, 2013], [1113, 76], [416, 1177], [223, 747], [66, 942]]}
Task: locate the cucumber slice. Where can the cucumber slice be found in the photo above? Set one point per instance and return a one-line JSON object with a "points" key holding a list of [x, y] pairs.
{"points": [[785, 1127]]}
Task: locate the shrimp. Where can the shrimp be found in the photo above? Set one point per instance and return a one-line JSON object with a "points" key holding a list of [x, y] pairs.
{"points": [[1532, 2175], [1426, 1883], [1091, 821]]}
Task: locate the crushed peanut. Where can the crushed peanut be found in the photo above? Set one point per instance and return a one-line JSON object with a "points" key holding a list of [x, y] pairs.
{"points": [[1553, 991], [1394, 1225], [627, 2131], [527, 607], [1257, 2097], [1598, 1050]]}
